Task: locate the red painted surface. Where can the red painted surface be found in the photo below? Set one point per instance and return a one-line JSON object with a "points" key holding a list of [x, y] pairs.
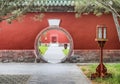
{"points": [[60, 37], [21, 35]]}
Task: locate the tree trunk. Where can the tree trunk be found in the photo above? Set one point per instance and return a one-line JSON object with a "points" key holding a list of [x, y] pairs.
{"points": [[116, 24]]}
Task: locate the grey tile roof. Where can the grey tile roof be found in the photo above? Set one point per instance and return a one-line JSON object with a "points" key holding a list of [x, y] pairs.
{"points": [[44, 2], [39, 5]]}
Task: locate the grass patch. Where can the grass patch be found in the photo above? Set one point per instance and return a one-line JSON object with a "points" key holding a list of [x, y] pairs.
{"points": [[66, 51], [43, 49], [112, 68]]}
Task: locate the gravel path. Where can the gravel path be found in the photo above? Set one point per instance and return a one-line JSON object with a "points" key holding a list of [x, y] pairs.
{"points": [[14, 79]]}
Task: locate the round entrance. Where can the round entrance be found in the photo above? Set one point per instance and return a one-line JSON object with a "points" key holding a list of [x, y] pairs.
{"points": [[53, 44]]}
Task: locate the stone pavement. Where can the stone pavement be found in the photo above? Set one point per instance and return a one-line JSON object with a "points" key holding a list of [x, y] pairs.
{"points": [[54, 54], [44, 73]]}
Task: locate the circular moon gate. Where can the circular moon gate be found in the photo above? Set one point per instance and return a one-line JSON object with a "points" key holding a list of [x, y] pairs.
{"points": [[53, 44]]}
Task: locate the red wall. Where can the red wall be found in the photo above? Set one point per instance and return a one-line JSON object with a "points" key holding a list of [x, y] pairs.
{"points": [[21, 35], [61, 37]]}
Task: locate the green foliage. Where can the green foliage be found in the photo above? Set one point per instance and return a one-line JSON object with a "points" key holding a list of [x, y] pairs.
{"points": [[43, 49], [97, 7], [11, 9]]}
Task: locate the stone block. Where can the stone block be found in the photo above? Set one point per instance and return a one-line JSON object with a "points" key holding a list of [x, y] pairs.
{"points": [[89, 56]]}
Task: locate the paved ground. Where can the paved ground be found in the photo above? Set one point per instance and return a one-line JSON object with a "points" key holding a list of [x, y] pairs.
{"points": [[54, 54], [47, 73]]}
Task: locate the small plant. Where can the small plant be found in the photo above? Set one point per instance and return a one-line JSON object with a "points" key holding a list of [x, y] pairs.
{"points": [[43, 49]]}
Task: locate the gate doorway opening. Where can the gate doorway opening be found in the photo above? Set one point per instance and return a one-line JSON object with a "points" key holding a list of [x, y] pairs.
{"points": [[54, 45], [54, 39]]}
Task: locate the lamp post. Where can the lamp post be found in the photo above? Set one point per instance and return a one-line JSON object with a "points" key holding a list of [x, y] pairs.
{"points": [[101, 38]]}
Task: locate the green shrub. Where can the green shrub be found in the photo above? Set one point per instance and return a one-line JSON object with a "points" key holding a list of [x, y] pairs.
{"points": [[43, 49]]}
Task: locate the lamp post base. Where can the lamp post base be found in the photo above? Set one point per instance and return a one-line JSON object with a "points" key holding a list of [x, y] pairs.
{"points": [[101, 72]]}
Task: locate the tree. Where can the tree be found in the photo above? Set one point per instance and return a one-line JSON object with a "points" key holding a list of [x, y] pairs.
{"points": [[114, 7], [9, 9], [98, 7], [12, 9]]}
